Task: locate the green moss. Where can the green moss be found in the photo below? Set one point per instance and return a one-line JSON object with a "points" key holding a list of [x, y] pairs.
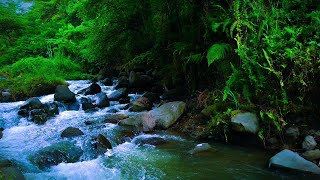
{"points": [[39, 76]]}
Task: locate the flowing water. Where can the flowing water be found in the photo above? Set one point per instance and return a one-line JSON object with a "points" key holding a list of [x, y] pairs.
{"points": [[127, 160]]}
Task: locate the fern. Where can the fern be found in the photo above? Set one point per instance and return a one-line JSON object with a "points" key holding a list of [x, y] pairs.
{"points": [[217, 52]]}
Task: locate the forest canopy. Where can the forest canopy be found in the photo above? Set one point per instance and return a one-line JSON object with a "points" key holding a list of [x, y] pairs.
{"points": [[263, 53]]}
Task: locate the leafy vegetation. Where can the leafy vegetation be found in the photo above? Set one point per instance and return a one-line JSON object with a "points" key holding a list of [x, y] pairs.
{"points": [[262, 53]]}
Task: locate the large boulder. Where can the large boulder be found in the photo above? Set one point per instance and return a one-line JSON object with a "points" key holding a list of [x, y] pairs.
{"points": [[55, 154], [71, 132], [32, 103], [101, 144], [116, 95], [63, 94], [287, 159], [94, 88], [160, 118], [245, 122], [141, 104], [101, 100]]}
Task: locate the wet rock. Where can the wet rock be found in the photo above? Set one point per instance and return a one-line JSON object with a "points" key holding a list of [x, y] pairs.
{"points": [[200, 148], [102, 144], [309, 143], [63, 94], [94, 88], [107, 82], [88, 123], [6, 97], [160, 118], [158, 89], [1, 134], [23, 113], [115, 118], [101, 100], [124, 100], [55, 154], [245, 122], [156, 141], [72, 106], [51, 108], [141, 104], [116, 95], [11, 172], [139, 81], [153, 97], [39, 116], [71, 132], [87, 106], [293, 132], [112, 111], [312, 155], [32, 103], [287, 159], [5, 163], [122, 83], [173, 94]]}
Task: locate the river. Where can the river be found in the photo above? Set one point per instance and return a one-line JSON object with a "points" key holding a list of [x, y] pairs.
{"points": [[127, 160]]}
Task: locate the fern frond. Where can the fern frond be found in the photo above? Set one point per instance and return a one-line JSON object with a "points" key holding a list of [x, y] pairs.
{"points": [[217, 52]]}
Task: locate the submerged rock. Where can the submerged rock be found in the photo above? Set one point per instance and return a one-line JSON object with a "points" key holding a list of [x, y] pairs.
{"points": [[156, 141], [9, 171], [55, 154], [63, 94], [203, 147], [71, 132], [309, 143], [289, 160], [39, 116], [245, 122]]}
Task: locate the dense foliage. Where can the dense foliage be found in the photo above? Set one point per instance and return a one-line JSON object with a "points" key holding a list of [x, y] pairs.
{"points": [[262, 53]]}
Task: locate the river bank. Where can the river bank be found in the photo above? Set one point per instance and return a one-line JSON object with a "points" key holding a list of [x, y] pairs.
{"points": [[94, 121]]}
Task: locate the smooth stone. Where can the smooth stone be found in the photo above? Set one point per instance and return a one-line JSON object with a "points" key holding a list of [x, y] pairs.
{"points": [[53, 155], [311, 154], [289, 160], [71, 132], [203, 147], [102, 144], [32, 103], [245, 122], [309, 143], [63, 94]]}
